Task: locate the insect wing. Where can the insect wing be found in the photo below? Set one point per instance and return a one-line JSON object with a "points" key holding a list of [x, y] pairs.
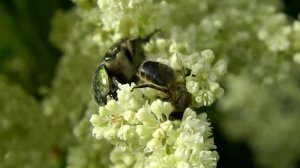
{"points": [[157, 73]]}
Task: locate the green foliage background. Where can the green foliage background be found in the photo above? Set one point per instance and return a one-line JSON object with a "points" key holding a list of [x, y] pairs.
{"points": [[32, 72]]}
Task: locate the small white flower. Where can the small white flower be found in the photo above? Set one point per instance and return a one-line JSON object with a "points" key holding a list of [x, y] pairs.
{"points": [[112, 108], [161, 109], [96, 120], [144, 132], [124, 132], [208, 55], [167, 126], [183, 164], [128, 116], [159, 134], [152, 145], [145, 116], [182, 153], [205, 97]]}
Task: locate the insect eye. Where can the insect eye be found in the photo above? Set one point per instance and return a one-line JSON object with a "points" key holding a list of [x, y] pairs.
{"points": [[101, 84]]}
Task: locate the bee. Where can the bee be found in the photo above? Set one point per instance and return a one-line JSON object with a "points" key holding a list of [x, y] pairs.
{"points": [[163, 78], [119, 65]]}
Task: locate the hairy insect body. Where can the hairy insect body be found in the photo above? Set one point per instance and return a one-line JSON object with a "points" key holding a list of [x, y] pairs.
{"points": [[161, 77], [119, 65]]}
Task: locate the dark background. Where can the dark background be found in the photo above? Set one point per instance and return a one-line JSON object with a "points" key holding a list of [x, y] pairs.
{"points": [[28, 58]]}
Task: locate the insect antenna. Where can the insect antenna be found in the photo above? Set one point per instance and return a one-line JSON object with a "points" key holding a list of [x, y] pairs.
{"points": [[148, 37], [183, 71]]}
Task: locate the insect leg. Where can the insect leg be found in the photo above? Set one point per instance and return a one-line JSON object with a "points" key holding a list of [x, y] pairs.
{"points": [[166, 98], [151, 86]]}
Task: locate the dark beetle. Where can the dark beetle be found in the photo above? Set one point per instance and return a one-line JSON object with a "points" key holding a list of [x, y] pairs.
{"points": [[120, 64]]}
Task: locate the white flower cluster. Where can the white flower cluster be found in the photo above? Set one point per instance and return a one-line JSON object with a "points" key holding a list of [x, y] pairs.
{"points": [[134, 124], [203, 82], [139, 122], [136, 17]]}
